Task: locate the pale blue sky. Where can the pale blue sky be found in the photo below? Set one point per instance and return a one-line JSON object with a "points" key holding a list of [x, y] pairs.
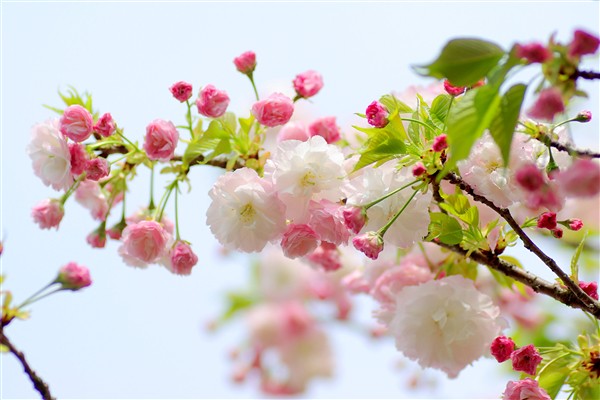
{"points": [[138, 334]]}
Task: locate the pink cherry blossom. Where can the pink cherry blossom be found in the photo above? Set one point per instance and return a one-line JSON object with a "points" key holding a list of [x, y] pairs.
{"points": [[440, 143], [50, 155], [529, 177], [534, 52], [591, 288], [583, 43], [181, 91], [308, 84], [105, 125], [370, 243], [581, 179], [161, 140], [453, 90], [419, 169], [76, 123], [326, 256], [97, 168], [181, 259], [377, 115], [501, 348], [143, 243], [212, 102], [327, 220], [144, 214], [526, 359], [299, 240], [90, 195], [293, 131], [79, 158], [48, 213], [327, 128], [275, 110], [548, 104], [547, 220], [411, 271], [575, 224], [354, 218], [526, 389], [245, 62], [74, 277]]}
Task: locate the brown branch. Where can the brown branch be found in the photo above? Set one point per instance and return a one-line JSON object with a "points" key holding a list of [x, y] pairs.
{"points": [[38, 383], [544, 138], [591, 75], [590, 304], [538, 284]]}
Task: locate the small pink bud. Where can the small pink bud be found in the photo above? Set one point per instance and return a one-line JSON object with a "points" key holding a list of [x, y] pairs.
{"points": [[524, 389], [326, 128], [73, 276], [308, 84], [275, 110], [419, 169], [97, 168], [97, 238], [557, 233], [299, 240], [548, 104], [583, 43], [526, 359], [182, 259], [212, 102], [453, 90], [377, 115], [182, 91], [370, 243], [534, 53], [501, 348], [326, 256], [583, 116], [161, 140], [477, 84], [529, 177], [79, 158], [440, 143], [116, 231], [76, 123], [575, 224], [48, 213], [105, 125], [354, 218], [245, 62], [547, 220], [591, 288]]}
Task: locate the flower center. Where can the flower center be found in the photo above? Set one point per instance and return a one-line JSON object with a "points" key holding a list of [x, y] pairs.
{"points": [[309, 179], [247, 213]]}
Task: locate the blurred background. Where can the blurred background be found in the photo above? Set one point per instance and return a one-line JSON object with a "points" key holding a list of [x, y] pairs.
{"points": [[142, 333]]}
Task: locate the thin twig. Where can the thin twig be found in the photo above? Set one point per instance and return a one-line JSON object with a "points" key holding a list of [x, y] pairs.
{"points": [[542, 137], [38, 383], [591, 75], [590, 304]]}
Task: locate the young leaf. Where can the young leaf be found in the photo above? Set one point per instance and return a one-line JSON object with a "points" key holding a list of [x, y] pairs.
{"points": [[439, 110], [382, 145], [575, 259], [503, 125], [444, 228], [393, 105], [463, 61]]}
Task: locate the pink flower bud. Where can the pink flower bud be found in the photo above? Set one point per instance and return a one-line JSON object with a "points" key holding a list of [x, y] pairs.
{"points": [[293, 131], [116, 231], [97, 238], [581, 179], [326, 256], [584, 116], [419, 169], [479, 83], [524, 389], [299, 240], [143, 242], [326, 128], [548, 104], [161, 140], [501, 348], [591, 288], [97, 168], [534, 53], [575, 224], [370, 243], [557, 233], [182, 91], [275, 110], [583, 43], [308, 83], [79, 158], [245, 62], [529, 177], [76, 123], [526, 359], [105, 125], [212, 102], [440, 143], [48, 213], [377, 115], [547, 220], [182, 259], [453, 90], [354, 218], [74, 277]]}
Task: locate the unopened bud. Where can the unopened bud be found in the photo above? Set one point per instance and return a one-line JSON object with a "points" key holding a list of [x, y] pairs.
{"points": [[583, 116]]}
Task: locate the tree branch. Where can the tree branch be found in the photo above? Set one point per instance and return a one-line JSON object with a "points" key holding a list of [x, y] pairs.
{"points": [[590, 304], [38, 383], [538, 284], [591, 75], [542, 137]]}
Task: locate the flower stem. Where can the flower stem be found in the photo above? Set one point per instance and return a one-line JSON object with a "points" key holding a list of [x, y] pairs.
{"points": [[29, 299], [177, 211], [393, 192], [251, 77], [151, 205], [188, 118], [384, 228], [163, 201], [70, 191]]}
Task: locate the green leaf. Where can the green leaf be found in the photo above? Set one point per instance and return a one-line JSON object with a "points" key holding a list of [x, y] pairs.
{"points": [[553, 374], [468, 119], [382, 145], [228, 122], [209, 140], [439, 110], [464, 61], [393, 105], [575, 259], [503, 125], [445, 228], [237, 302], [246, 123]]}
